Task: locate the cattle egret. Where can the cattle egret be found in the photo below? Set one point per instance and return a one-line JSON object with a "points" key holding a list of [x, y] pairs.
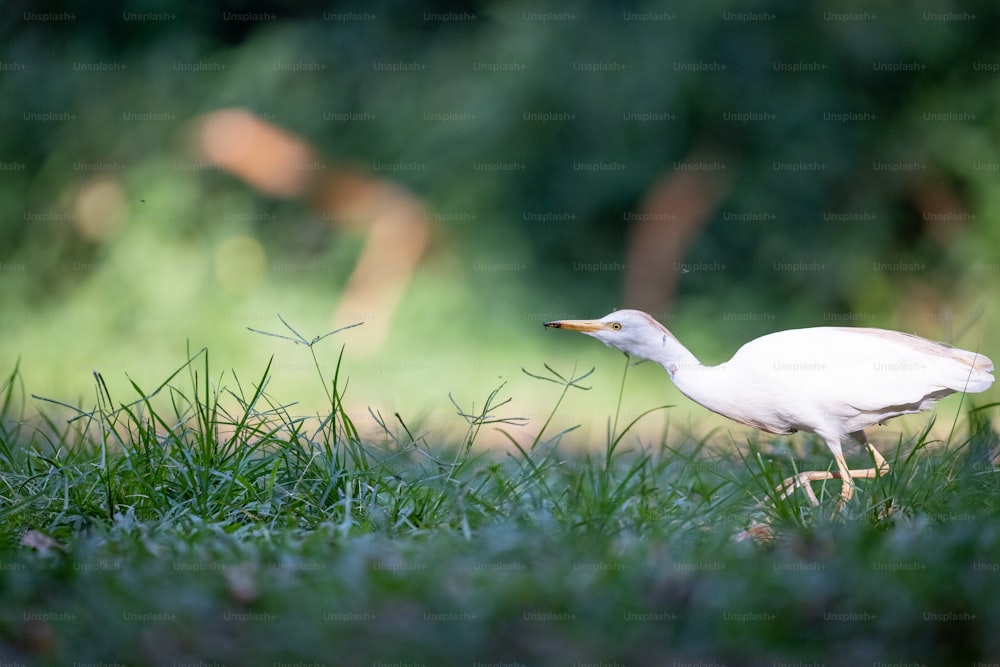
{"points": [[831, 381]]}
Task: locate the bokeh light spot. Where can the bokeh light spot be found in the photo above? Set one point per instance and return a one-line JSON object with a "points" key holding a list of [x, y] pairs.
{"points": [[99, 208]]}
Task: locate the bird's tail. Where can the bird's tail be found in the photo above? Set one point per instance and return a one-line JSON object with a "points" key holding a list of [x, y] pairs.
{"points": [[977, 371]]}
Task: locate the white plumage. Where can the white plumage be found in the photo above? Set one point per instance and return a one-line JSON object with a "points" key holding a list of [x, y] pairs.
{"points": [[831, 381]]}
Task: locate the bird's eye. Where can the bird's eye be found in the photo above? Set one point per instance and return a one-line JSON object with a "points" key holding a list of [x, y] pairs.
{"points": [[616, 326]]}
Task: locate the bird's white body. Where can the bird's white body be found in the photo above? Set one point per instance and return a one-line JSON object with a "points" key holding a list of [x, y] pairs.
{"points": [[811, 379], [831, 381]]}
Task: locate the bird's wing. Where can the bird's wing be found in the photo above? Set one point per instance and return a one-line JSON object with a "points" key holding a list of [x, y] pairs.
{"points": [[867, 370]]}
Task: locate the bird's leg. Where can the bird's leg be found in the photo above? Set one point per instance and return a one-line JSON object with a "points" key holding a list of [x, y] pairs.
{"points": [[881, 468], [804, 479], [847, 477], [881, 465], [809, 491]]}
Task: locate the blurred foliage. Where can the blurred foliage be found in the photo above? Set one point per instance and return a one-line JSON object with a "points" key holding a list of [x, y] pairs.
{"points": [[494, 65]]}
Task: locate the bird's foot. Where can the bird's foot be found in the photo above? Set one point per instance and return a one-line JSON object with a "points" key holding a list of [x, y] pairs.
{"points": [[803, 480]]}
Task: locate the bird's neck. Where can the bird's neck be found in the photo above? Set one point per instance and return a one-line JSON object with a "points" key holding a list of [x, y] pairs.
{"points": [[669, 353], [705, 385]]}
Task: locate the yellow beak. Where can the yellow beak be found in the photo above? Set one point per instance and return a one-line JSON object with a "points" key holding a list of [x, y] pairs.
{"points": [[586, 326]]}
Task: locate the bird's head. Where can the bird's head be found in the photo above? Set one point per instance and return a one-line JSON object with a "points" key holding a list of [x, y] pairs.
{"points": [[631, 331]]}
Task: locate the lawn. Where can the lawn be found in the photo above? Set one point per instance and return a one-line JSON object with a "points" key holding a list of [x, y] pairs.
{"points": [[205, 521]]}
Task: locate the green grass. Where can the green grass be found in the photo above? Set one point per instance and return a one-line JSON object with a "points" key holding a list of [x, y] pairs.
{"points": [[205, 521]]}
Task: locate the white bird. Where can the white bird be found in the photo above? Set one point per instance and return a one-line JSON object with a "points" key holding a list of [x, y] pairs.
{"points": [[831, 381]]}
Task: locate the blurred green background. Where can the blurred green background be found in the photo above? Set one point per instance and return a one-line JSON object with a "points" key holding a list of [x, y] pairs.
{"points": [[856, 154]]}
